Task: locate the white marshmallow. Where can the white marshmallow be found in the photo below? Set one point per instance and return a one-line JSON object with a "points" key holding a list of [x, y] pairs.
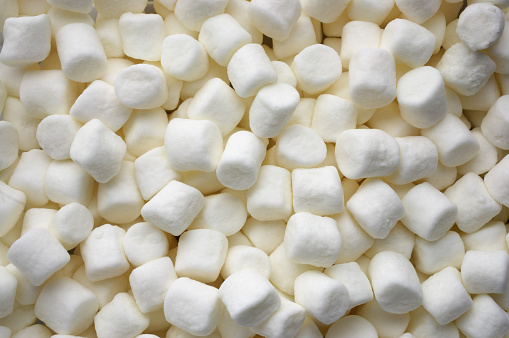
{"points": [[184, 58], [241, 257], [354, 279], [284, 73], [98, 150], [354, 240], [498, 52], [495, 123], [26, 292], [265, 235], [302, 36], [324, 11], [351, 326], [332, 115], [437, 26], [431, 257], [480, 25], [484, 310], [389, 119], [250, 69], [11, 208], [285, 322], [115, 66], [485, 271], [81, 6], [395, 282], [193, 13], [476, 207], [115, 8], [465, 71], [230, 329], [26, 125], [496, 181], [36, 330], [103, 253], [61, 17], [26, 40], [400, 239], [145, 130], [387, 324], [142, 35], [71, 225], [66, 306], [189, 89], [38, 255], [143, 242], [120, 318], [484, 160], [316, 67], [193, 306], [66, 182], [372, 78], [491, 237], [9, 284], [274, 18], [193, 144], [357, 35], [37, 218], [366, 153], [55, 134], [9, 144], [174, 207], [418, 11], [299, 147], [325, 298], [484, 98], [369, 10], [108, 31], [270, 198], [445, 297], [443, 177]]}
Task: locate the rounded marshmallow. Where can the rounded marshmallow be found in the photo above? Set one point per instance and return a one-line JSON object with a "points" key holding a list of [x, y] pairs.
{"points": [[370, 10], [499, 52], [193, 13], [115, 8], [387, 324], [285, 322], [485, 159], [274, 18], [484, 310], [332, 115], [485, 271], [357, 35], [418, 10], [11, 208], [241, 257], [71, 225], [496, 181], [9, 284], [351, 326], [55, 134], [325, 11], [496, 122], [431, 257], [264, 235], [145, 130], [299, 147], [302, 36], [142, 35], [143, 243], [184, 58], [66, 182], [9, 144], [480, 25]]}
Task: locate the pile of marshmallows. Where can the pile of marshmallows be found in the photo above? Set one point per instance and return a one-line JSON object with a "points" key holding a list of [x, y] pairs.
{"points": [[280, 168]]}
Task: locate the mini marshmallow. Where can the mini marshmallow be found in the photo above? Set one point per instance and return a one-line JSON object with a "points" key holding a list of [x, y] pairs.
{"points": [[143, 242], [120, 318], [316, 67], [66, 306], [82, 6], [26, 40], [193, 306], [285, 322], [141, 86], [400, 239], [36, 330], [66, 182], [26, 125], [496, 181], [354, 279], [324, 11], [443, 177], [325, 298], [145, 130], [142, 35], [193, 13], [11, 208], [299, 147], [9, 144], [445, 297], [98, 150], [484, 310], [193, 144], [332, 115], [270, 198], [115, 66], [484, 98], [395, 283], [150, 283], [250, 69], [241, 257], [274, 18], [351, 326], [103, 253], [387, 324], [485, 271], [9, 284], [354, 240], [184, 58], [265, 235], [61, 17], [37, 218], [302, 36], [389, 119], [484, 160], [369, 10], [55, 134], [230, 329], [495, 123], [357, 35], [498, 52], [418, 11], [476, 207], [108, 31], [71, 225], [206, 182], [284, 73], [431, 257], [480, 25], [38, 255], [465, 71], [491, 237]]}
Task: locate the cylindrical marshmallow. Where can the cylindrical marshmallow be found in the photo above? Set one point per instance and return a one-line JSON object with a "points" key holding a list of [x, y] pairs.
{"points": [[145, 130], [241, 257], [480, 25], [11, 208], [496, 181], [55, 135], [299, 147], [332, 115], [351, 326], [274, 18], [495, 124], [193, 13], [184, 58], [9, 144], [484, 310], [431, 257], [357, 35], [302, 36], [387, 324], [71, 225], [264, 235], [144, 242], [142, 35], [418, 10]]}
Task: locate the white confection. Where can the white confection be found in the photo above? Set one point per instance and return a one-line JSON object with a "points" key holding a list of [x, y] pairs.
{"points": [[80, 6], [483, 99], [484, 310], [241, 257], [26, 125], [284, 73], [444, 296], [26, 40], [120, 318], [66, 182], [38, 255], [354, 240], [422, 324], [443, 177], [249, 306], [421, 97], [311, 239], [476, 206], [485, 271], [66, 306], [389, 119], [485, 159], [332, 115], [201, 254], [316, 67], [36, 330], [55, 134], [325, 11], [496, 122], [145, 130], [387, 324], [8, 285], [496, 181], [418, 11], [274, 18], [437, 25], [317, 190], [498, 52], [491, 237], [81, 52], [141, 86], [366, 153], [193, 144], [71, 225], [98, 150], [150, 282], [465, 71], [174, 207], [193, 13], [143, 243], [142, 35], [480, 25], [355, 280], [302, 36], [239, 10], [272, 108], [37, 218], [115, 66], [11, 208], [357, 35], [299, 147], [103, 253], [250, 69], [400, 239], [431, 257], [270, 198], [115, 8], [325, 298], [193, 306], [418, 159], [108, 31], [26, 292], [370, 10], [184, 58], [9, 144], [372, 78], [206, 182], [395, 282], [217, 101], [351, 326], [285, 322], [61, 17], [264, 235], [241, 160]]}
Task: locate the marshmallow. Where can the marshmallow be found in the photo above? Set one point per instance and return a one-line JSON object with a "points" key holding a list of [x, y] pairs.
{"points": [[325, 298], [115, 8], [29, 176], [250, 69], [174, 207], [71, 225], [387, 324], [274, 18], [495, 123], [450, 37], [332, 115], [103, 253], [120, 318], [431, 257], [26, 125], [372, 78], [237, 239], [55, 134], [351, 326], [484, 98], [284, 73], [249, 306], [36, 330], [141, 86], [498, 52], [115, 66], [206, 182], [66, 182], [81, 6], [311, 239], [302, 36], [445, 297], [38, 255], [9, 144], [145, 130], [239, 10], [37, 218], [480, 25], [354, 279], [389, 119], [21, 317], [475, 205], [184, 58], [11, 208], [395, 282], [496, 181], [265, 235], [354, 240], [27, 40], [316, 67], [108, 31], [9, 284], [357, 35], [484, 310], [437, 26], [418, 11], [61, 17], [400, 239], [369, 10], [193, 144], [66, 306], [270, 198], [142, 35], [324, 11], [484, 160], [443, 177], [98, 150], [465, 71], [143, 242], [485, 271], [490, 237], [194, 13], [241, 257], [26, 292], [193, 306], [285, 322], [299, 147]]}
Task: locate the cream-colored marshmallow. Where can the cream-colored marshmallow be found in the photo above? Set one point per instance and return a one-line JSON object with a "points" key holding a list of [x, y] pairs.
{"points": [[418, 11], [354, 240], [299, 147], [496, 122], [350, 326], [11, 208], [241, 257], [357, 35], [480, 25], [386, 323], [184, 58], [55, 134], [264, 235], [485, 271], [9, 144], [302, 36], [145, 130], [473, 322], [193, 13], [142, 35], [9, 285], [274, 18], [71, 225], [496, 181], [485, 159], [332, 115], [431, 257], [354, 279], [66, 182]]}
